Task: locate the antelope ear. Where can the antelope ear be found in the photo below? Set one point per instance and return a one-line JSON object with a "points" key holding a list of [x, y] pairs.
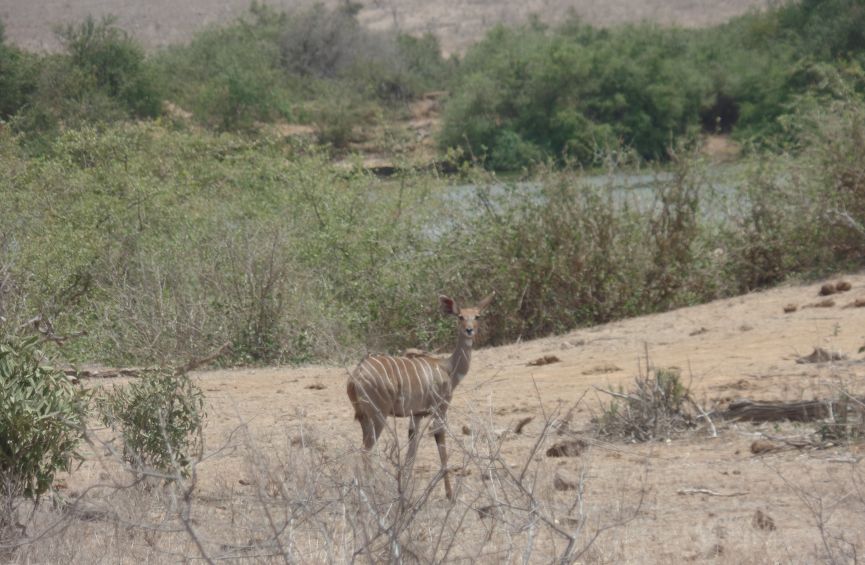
{"points": [[449, 306], [486, 301]]}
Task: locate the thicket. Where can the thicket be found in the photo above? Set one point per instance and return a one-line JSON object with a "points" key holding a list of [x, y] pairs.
{"points": [[101, 76], [163, 243], [571, 92], [42, 420], [520, 96], [312, 65]]}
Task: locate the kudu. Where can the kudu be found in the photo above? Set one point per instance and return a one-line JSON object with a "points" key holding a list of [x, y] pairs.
{"points": [[414, 387]]}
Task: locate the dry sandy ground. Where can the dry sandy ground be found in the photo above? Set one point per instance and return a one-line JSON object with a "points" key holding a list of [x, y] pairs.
{"points": [[740, 347], [457, 22]]}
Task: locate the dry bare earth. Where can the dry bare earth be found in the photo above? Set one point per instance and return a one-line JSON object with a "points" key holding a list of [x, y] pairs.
{"points": [[457, 22], [273, 432]]}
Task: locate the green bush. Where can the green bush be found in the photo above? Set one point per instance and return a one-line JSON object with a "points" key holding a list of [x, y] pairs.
{"points": [[230, 77], [115, 62], [298, 66], [42, 422], [565, 93], [18, 72], [163, 243], [160, 418], [102, 77], [572, 89]]}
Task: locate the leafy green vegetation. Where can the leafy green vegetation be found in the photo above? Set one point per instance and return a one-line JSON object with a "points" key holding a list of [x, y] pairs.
{"points": [[41, 425], [165, 236], [573, 92], [303, 66], [160, 418], [165, 243]]}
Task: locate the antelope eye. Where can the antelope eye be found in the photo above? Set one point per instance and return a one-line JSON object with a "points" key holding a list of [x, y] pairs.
{"points": [[462, 318]]}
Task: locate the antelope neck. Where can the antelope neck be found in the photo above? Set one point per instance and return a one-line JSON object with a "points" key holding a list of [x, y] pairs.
{"points": [[458, 364]]}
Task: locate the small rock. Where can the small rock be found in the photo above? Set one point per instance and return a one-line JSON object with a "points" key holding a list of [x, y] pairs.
{"points": [[843, 286], [790, 308], [545, 360], [566, 480], [763, 521], [827, 289], [572, 448], [491, 511], [820, 355], [467, 431], [315, 386], [761, 446]]}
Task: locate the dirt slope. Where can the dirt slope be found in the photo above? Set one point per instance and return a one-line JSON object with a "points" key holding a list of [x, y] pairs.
{"points": [[457, 22], [741, 347], [694, 498], [744, 346]]}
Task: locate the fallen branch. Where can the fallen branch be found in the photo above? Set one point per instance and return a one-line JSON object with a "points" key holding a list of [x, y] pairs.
{"points": [[704, 415], [114, 373], [196, 363], [42, 325], [708, 492], [616, 394], [136, 372]]}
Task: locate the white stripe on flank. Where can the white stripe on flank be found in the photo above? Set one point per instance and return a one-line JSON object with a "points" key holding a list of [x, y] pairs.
{"points": [[382, 372], [410, 395], [371, 384], [401, 384], [429, 376]]}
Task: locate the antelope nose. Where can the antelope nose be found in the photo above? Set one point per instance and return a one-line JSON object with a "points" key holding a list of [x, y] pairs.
{"points": [[470, 331]]}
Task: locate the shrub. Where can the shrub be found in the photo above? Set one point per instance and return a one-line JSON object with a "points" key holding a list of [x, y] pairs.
{"points": [[337, 116], [116, 64], [567, 91], [653, 409], [230, 77], [160, 418], [18, 72], [103, 77], [42, 419], [572, 88], [322, 43]]}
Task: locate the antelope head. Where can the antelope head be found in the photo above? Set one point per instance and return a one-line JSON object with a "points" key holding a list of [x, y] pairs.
{"points": [[468, 318]]}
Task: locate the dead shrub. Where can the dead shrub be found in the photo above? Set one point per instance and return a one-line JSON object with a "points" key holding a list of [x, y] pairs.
{"points": [[653, 409]]}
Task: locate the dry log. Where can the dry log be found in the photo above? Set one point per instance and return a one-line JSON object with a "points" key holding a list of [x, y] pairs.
{"points": [[749, 411], [130, 372], [805, 411], [135, 372]]}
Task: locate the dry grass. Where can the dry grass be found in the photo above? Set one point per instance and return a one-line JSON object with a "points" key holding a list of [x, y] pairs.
{"points": [[300, 494], [297, 498]]}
